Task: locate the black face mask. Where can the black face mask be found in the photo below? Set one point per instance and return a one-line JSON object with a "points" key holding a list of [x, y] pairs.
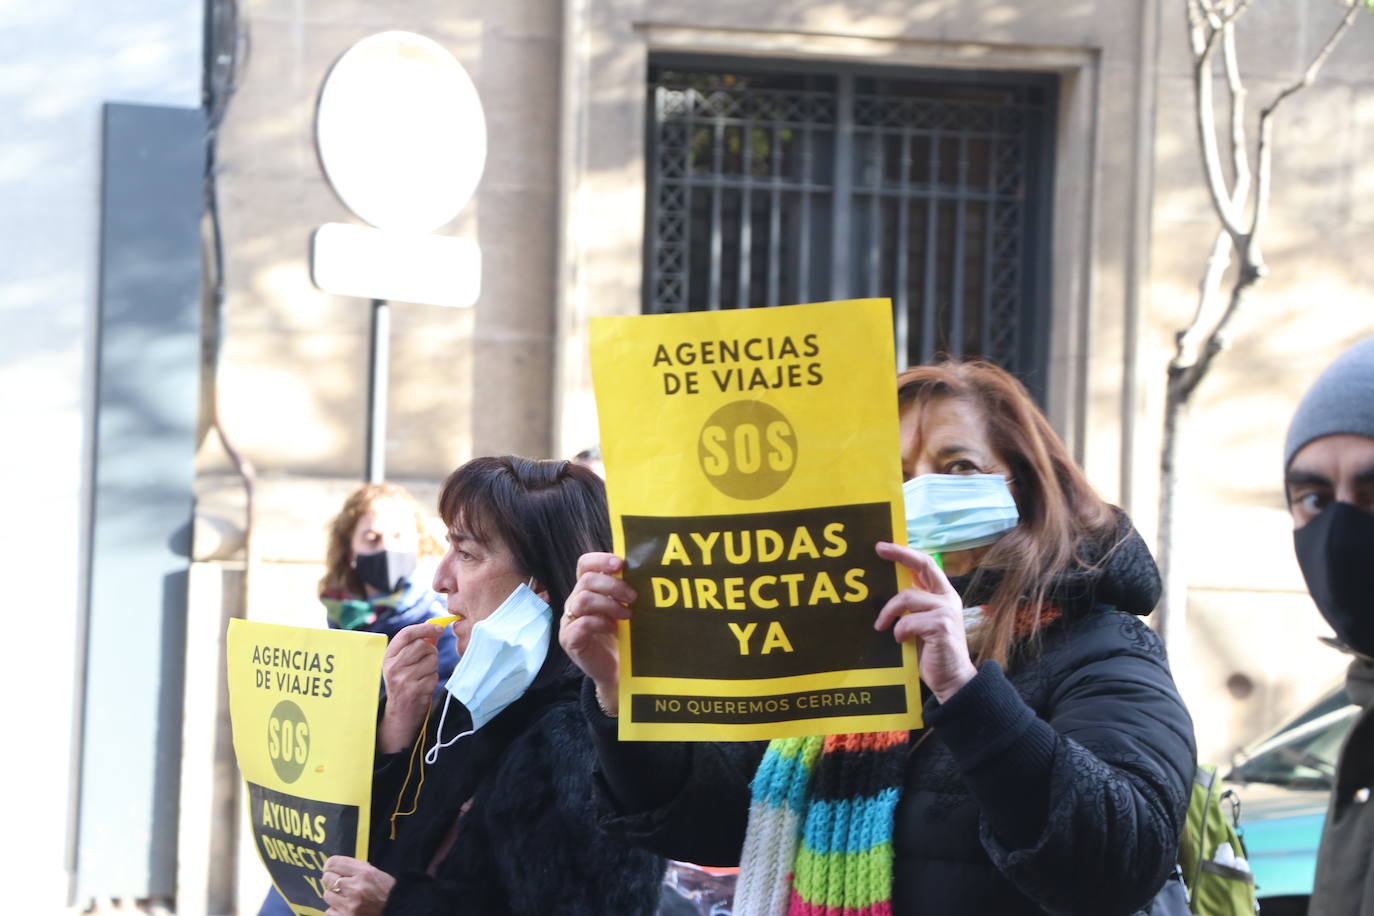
{"points": [[1336, 552], [385, 569]]}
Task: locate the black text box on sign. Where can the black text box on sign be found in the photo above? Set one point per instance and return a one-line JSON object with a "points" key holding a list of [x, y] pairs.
{"points": [[810, 573]]}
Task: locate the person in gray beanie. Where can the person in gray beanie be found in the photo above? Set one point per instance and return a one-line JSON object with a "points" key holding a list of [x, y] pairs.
{"points": [[1329, 480]]}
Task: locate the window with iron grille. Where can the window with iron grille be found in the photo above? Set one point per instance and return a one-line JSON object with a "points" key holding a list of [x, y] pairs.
{"points": [[770, 187]]}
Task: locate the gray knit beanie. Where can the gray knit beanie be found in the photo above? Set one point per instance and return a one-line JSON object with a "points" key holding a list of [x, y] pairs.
{"points": [[1340, 401]]}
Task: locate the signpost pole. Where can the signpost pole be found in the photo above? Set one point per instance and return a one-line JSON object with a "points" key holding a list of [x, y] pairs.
{"points": [[378, 366], [402, 139]]}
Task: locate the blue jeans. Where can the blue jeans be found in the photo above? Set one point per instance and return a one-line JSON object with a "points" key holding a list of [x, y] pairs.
{"points": [[275, 905]]}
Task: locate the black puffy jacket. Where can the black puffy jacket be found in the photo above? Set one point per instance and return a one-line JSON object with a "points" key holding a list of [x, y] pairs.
{"points": [[1058, 788]]}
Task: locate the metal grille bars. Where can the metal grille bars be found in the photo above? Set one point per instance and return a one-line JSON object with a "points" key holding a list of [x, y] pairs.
{"points": [[769, 188]]}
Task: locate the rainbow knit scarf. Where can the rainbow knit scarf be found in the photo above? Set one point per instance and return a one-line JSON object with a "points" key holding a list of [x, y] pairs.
{"points": [[819, 841]]}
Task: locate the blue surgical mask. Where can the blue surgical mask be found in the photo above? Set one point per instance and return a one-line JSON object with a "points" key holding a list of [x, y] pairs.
{"points": [[947, 512], [504, 653]]}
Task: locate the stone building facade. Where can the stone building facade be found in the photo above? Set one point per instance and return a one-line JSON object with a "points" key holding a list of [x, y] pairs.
{"points": [[1096, 213]]}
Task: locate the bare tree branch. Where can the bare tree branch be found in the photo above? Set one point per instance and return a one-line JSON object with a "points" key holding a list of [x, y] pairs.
{"points": [[1220, 338], [1218, 19], [1265, 152], [1207, 140], [1310, 74], [1189, 340], [1234, 14], [1197, 32], [1240, 158], [1209, 24]]}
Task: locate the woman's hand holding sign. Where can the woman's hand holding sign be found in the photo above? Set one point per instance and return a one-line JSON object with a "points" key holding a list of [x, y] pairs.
{"points": [[931, 613], [354, 888], [410, 671], [588, 629]]}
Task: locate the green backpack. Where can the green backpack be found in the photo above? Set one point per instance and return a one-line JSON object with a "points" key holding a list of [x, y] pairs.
{"points": [[1214, 887]]}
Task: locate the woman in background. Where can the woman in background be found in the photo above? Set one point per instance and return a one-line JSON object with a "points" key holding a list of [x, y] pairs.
{"points": [[379, 561]]}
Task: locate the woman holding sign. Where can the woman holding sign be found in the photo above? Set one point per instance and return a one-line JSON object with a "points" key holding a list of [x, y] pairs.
{"points": [[379, 558], [1054, 772], [482, 805]]}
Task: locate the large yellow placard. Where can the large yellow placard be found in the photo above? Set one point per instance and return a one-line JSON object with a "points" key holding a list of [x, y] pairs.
{"points": [[303, 706], [752, 462]]}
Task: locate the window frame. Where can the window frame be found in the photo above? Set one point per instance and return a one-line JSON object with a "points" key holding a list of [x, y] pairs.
{"points": [[1036, 218]]}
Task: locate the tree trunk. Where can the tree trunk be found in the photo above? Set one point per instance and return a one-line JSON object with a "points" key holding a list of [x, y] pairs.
{"points": [[1184, 377], [1171, 614]]}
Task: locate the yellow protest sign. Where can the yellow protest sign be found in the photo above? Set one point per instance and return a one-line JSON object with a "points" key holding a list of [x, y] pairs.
{"points": [[303, 706], [752, 462]]}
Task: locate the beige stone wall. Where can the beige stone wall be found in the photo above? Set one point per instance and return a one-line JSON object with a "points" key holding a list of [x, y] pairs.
{"points": [[1249, 614]]}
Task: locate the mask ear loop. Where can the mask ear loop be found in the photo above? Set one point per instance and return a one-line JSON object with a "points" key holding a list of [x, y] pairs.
{"points": [[433, 753]]}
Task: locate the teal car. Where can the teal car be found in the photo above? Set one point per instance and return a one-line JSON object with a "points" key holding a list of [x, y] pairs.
{"points": [[1284, 781]]}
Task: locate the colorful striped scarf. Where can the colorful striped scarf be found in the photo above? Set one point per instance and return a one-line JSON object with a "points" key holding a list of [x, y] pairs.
{"points": [[819, 841]]}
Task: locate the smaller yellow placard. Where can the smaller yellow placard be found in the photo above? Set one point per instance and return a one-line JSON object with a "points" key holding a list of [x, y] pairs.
{"points": [[303, 706]]}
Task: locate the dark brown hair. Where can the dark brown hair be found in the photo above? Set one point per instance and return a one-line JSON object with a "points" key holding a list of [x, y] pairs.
{"points": [[1061, 515], [547, 513]]}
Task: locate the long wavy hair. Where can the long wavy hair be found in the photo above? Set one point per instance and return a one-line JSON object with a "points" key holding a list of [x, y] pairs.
{"points": [[1062, 517], [339, 574]]}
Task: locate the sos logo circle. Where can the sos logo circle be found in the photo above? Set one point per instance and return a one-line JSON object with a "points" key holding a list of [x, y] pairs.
{"points": [[288, 740], [747, 449]]}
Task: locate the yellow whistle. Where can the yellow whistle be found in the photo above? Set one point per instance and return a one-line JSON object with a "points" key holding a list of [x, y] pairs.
{"points": [[444, 621]]}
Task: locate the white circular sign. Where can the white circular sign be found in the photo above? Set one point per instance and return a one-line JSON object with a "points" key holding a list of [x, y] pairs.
{"points": [[400, 132]]}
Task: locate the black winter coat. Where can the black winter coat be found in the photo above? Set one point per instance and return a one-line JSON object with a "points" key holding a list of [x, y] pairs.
{"points": [[1059, 788], [528, 842]]}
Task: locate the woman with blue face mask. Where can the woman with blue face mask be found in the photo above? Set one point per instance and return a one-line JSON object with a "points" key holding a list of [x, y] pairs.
{"points": [[480, 800], [1054, 772]]}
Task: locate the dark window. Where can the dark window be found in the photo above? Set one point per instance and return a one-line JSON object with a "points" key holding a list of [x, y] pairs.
{"points": [[772, 187]]}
